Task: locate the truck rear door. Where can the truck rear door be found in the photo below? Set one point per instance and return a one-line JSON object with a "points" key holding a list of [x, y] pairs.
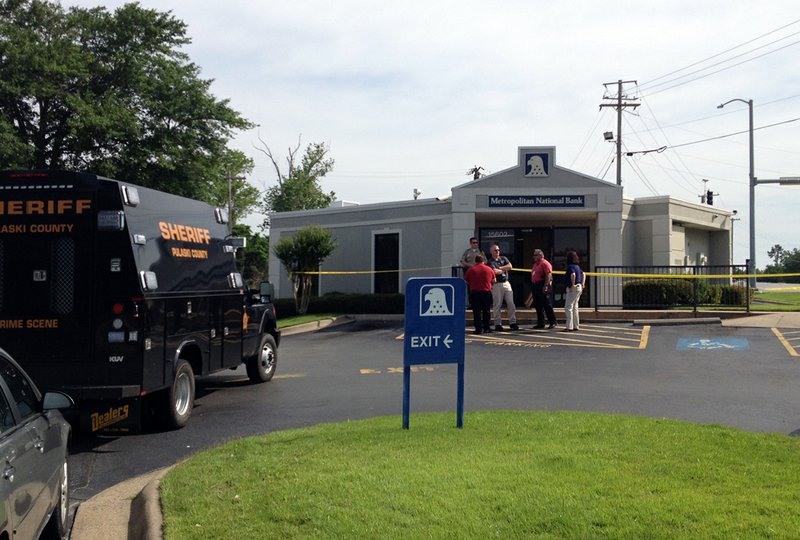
{"points": [[46, 250]]}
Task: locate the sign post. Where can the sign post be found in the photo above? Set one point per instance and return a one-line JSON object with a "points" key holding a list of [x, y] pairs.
{"points": [[435, 322]]}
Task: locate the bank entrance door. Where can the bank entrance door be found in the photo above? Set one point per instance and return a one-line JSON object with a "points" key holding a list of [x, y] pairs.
{"points": [[518, 244]]}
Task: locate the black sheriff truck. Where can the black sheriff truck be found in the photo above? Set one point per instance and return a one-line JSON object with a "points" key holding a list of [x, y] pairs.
{"points": [[119, 295]]}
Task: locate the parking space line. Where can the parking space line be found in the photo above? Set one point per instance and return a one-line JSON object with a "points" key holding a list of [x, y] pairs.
{"points": [[785, 342], [613, 329], [397, 370], [587, 333], [645, 337], [590, 336], [289, 376], [552, 339]]}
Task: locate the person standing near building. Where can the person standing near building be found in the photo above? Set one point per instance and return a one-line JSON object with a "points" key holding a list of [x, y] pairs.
{"points": [[542, 281], [468, 258], [501, 290], [574, 281], [479, 278]]}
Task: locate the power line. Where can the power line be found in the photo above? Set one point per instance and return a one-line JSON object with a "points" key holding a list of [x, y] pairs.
{"points": [[588, 136], [610, 163], [718, 71], [649, 83], [638, 172], [717, 115], [687, 183], [732, 134]]}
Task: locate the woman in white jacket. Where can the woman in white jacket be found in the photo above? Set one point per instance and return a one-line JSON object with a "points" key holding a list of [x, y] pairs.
{"points": [[575, 281]]}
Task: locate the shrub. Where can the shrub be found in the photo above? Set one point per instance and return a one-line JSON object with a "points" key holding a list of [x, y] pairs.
{"points": [[655, 293], [708, 293], [733, 295]]}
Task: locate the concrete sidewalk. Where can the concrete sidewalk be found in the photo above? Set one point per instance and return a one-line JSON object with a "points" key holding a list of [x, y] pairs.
{"points": [[778, 319], [131, 510]]}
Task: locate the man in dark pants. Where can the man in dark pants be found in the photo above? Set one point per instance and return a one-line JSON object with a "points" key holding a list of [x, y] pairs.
{"points": [[542, 281], [479, 278]]}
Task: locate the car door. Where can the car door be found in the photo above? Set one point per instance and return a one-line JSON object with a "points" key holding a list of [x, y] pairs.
{"points": [[9, 433], [24, 466]]}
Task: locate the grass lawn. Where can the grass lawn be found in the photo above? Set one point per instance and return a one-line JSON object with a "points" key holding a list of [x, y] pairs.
{"points": [[505, 475], [301, 319], [776, 301]]}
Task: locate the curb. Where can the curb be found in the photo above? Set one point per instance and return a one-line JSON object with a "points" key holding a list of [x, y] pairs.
{"points": [[336, 321], [146, 518], [127, 510], [676, 322], [315, 325]]}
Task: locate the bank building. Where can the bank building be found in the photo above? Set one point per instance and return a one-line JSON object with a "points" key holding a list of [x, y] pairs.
{"points": [[535, 203]]}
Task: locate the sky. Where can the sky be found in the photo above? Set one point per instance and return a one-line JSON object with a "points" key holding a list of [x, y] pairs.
{"points": [[414, 94]]}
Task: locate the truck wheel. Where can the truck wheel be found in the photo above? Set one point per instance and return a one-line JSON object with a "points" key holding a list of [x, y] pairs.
{"points": [[261, 367], [181, 396]]}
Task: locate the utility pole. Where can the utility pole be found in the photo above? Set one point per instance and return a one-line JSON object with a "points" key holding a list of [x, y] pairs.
{"points": [[619, 105], [230, 179]]}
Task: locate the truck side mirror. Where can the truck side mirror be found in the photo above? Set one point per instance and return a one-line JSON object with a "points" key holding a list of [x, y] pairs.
{"points": [[267, 291]]}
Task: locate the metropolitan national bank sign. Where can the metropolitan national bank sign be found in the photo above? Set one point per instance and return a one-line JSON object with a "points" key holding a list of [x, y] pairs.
{"points": [[529, 201]]}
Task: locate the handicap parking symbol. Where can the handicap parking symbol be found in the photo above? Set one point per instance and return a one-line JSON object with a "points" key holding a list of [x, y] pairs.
{"points": [[730, 344], [437, 300]]}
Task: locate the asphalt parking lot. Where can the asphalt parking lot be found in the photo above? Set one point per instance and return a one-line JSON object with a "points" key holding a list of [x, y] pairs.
{"points": [[744, 377]]}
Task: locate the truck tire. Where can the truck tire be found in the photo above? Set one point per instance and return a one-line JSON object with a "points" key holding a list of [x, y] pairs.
{"points": [[261, 367], [180, 397]]}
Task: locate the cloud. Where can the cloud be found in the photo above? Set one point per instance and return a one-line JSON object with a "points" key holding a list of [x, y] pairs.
{"points": [[413, 94]]}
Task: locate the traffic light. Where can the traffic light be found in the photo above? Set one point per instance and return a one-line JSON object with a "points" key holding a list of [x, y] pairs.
{"points": [[710, 197]]}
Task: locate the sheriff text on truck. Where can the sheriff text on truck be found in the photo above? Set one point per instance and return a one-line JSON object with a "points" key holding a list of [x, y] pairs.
{"points": [[118, 295]]}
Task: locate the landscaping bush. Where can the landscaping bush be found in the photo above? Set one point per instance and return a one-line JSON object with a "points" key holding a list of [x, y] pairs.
{"points": [[708, 293], [656, 293], [345, 303], [659, 293], [733, 295]]}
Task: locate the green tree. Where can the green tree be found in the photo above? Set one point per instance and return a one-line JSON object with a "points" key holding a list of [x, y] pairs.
{"points": [[244, 195], [777, 254], [113, 93], [791, 265], [299, 187], [303, 253], [253, 260]]}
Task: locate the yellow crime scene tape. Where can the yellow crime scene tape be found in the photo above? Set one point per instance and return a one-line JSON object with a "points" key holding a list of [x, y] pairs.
{"points": [[607, 274]]}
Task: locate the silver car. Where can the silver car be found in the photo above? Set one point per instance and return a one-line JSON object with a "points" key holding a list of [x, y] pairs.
{"points": [[34, 488]]}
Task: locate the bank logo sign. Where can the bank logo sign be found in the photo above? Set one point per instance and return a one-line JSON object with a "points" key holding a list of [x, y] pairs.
{"points": [[436, 300], [537, 164], [537, 201]]}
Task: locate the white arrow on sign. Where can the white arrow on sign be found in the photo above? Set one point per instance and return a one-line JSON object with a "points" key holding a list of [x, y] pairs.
{"points": [[447, 341]]}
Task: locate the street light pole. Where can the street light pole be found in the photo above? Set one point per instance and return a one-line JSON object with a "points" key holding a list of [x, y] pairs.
{"points": [[752, 266], [733, 222]]}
